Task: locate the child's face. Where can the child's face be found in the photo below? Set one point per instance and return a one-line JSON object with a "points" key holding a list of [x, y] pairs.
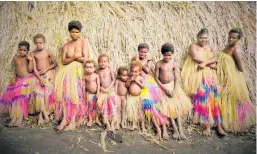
{"points": [[103, 62], [74, 34], [39, 42], [167, 56], [124, 75], [202, 39], [142, 53], [89, 68], [22, 50], [233, 38], [135, 71]]}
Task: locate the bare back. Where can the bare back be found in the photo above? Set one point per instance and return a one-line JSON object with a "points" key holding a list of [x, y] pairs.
{"points": [[21, 66]]}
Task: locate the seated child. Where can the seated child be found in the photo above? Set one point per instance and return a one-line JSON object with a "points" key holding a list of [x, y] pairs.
{"points": [[121, 91], [16, 97], [91, 86], [107, 98], [134, 103], [175, 103]]}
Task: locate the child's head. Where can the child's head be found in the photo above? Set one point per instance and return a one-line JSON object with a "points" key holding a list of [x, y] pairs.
{"points": [[202, 37], [135, 68], [234, 35], [39, 41], [123, 73], [74, 28], [167, 50], [90, 66], [142, 50], [23, 48], [103, 60]]}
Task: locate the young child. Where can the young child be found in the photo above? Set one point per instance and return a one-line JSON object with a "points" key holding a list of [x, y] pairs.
{"points": [[16, 97], [151, 94], [91, 86], [134, 103], [107, 100], [238, 112], [44, 65], [121, 91], [175, 103]]}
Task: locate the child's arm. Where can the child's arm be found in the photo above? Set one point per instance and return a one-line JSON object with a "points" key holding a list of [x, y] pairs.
{"points": [[84, 87], [30, 59], [140, 82], [238, 61], [13, 80], [176, 75], [116, 86], [98, 85], [147, 68], [157, 68], [65, 60], [113, 81], [52, 66], [127, 84], [84, 52], [36, 72]]}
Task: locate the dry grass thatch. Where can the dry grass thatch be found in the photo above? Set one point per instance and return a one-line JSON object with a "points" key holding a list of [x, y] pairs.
{"points": [[121, 26]]}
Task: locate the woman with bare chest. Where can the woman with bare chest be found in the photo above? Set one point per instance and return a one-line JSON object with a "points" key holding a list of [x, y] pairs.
{"points": [[68, 83]]}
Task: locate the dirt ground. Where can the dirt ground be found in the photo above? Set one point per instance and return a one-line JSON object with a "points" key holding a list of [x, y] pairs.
{"points": [[32, 139]]}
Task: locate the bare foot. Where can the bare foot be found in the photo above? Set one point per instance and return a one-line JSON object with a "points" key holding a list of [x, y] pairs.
{"points": [[123, 125], [46, 121], [117, 126], [11, 123], [134, 127], [62, 124], [71, 126], [207, 132], [159, 134], [165, 136], [89, 124], [221, 131], [175, 135], [98, 122], [81, 121], [182, 135], [40, 120], [18, 122]]}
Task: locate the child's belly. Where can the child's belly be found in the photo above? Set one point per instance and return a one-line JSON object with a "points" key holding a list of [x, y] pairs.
{"points": [[134, 89]]}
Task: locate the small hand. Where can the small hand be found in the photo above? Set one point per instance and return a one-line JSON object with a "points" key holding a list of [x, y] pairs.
{"points": [[29, 57], [213, 66], [202, 65], [41, 83], [43, 71], [103, 90], [168, 93], [13, 80]]}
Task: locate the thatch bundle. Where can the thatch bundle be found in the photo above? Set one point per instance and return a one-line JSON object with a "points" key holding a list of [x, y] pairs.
{"points": [[121, 26]]}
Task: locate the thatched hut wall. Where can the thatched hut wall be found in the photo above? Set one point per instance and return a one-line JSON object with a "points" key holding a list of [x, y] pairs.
{"points": [[121, 26]]}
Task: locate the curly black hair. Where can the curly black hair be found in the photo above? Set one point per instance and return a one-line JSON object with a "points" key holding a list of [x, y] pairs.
{"points": [[24, 43], [202, 31], [39, 36], [167, 47], [142, 46], [75, 24], [238, 31]]}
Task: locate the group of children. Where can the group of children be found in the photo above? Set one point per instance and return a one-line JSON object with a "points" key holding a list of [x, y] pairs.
{"points": [[82, 90]]}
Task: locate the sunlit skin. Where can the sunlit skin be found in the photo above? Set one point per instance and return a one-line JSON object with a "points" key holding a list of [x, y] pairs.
{"points": [[43, 62], [166, 71], [202, 46], [232, 50], [121, 90], [107, 80], [91, 84], [135, 84], [21, 63], [75, 50]]}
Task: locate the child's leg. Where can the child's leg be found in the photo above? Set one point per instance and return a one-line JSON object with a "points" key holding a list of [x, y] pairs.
{"points": [[165, 134], [123, 111], [97, 121], [175, 130], [207, 130], [72, 123], [40, 119], [18, 122], [180, 128], [64, 120], [89, 123], [11, 123], [46, 114], [113, 122], [158, 129], [118, 121], [106, 121]]}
